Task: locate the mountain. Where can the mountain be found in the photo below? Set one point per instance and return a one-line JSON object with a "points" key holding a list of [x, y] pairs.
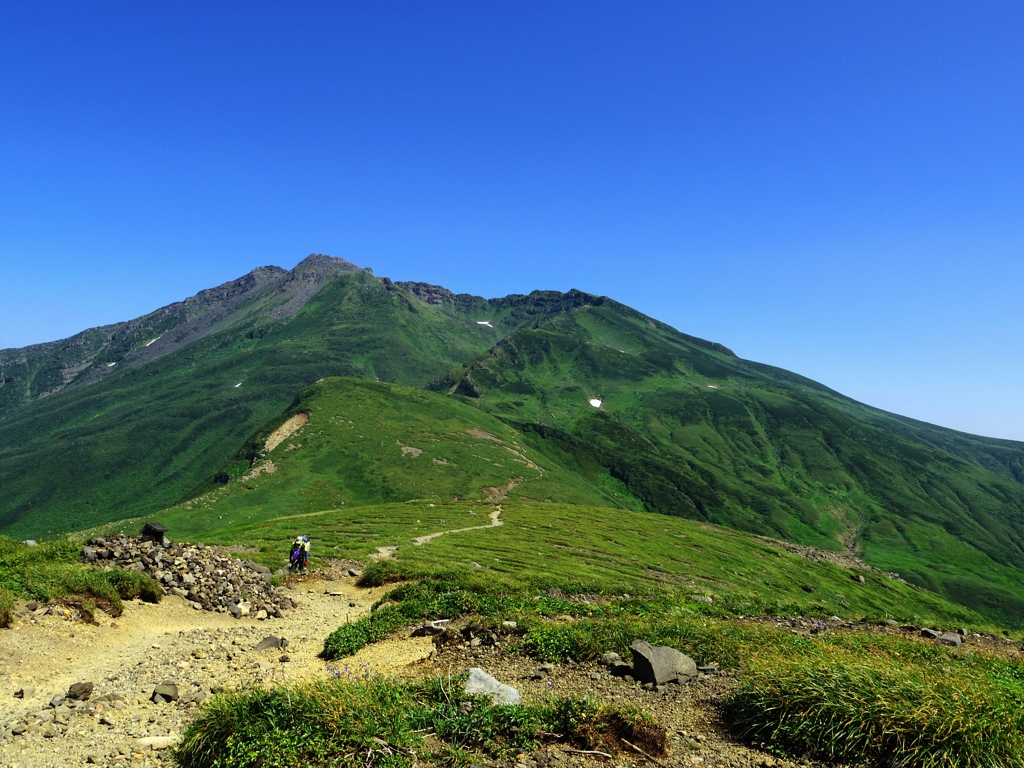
{"points": [[619, 409], [126, 419], [693, 430]]}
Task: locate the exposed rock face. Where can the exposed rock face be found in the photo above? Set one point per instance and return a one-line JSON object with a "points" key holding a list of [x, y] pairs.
{"points": [[431, 294], [194, 572], [660, 664]]}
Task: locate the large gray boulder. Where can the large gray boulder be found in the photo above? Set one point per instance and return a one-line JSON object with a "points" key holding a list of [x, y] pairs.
{"points": [[950, 639], [482, 684], [659, 664]]}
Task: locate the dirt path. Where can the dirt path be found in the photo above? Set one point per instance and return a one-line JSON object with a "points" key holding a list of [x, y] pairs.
{"points": [[496, 522], [201, 652]]}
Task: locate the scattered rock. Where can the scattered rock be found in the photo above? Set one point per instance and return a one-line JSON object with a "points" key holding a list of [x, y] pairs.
{"points": [[610, 657], [950, 639], [272, 643], [661, 664], [859, 578], [155, 743], [208, 579], [80, 691], [164, 693], [482, 684], [430, 629], [701, 599], [962, 632], [26, 692], [931, 634]]}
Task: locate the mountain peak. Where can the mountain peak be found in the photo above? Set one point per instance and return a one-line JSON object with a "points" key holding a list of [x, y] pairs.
{"points": [[319, 265]]}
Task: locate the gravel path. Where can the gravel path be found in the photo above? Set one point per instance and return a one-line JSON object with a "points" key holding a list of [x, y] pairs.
{"points": [[125, 658]]}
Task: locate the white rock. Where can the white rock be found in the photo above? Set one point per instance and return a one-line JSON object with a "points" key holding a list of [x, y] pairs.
{"points": [[155, 742], [481, 683]]}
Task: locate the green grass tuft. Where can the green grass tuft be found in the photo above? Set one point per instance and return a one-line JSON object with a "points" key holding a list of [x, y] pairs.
{"points": [[375, 721], [50, 572], [924, 708]]}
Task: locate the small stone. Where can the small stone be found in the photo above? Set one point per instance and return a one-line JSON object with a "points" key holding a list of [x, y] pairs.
{"points": [[166, 691], [271, 643], [80, 691], [155, 743], [285, 659], [25, 692]]}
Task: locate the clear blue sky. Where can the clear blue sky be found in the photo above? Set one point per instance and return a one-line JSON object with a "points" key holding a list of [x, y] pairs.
{"points": [[834, 188]]}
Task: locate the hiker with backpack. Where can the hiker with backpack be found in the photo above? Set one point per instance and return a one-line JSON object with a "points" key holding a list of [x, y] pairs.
{"points": [[299, 558]]}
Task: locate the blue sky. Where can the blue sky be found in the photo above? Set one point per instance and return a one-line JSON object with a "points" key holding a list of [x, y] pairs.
{"points": [[833, 188]]}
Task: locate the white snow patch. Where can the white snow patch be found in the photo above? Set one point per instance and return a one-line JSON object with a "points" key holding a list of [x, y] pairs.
{"points": [[595, 402], [111, 365], [151, 341], [484, 322], [238, 385], [712, 386]]}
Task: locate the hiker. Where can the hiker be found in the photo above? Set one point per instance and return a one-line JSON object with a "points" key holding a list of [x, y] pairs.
{"points": [[299, 557]]}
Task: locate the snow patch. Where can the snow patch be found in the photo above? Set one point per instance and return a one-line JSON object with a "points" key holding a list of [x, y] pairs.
{"points": [[111, 365], [596, 402], [712, 386], [238, 385], [151, 341], [484, 322]]}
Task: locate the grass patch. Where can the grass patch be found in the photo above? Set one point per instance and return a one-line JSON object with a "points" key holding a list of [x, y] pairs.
{"points": [[883, 701], [381, 722], [50, 572]]}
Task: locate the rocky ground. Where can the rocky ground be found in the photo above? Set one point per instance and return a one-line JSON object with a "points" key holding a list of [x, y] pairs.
{"points": [[126, 658], [200, 652]]}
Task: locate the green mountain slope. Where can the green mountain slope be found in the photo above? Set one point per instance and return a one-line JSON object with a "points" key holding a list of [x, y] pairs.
{"points": [[694, 431], [130, 438], [351, 442], [681, 426]]}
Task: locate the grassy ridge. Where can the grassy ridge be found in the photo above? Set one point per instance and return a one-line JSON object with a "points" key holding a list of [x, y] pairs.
{"points": [[367, 442], [694, 431], [589, 550]]}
